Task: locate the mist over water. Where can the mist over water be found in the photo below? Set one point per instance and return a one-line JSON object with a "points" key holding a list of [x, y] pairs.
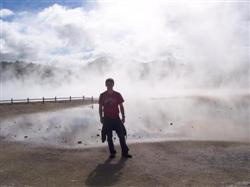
{"points": [[190, 118]]}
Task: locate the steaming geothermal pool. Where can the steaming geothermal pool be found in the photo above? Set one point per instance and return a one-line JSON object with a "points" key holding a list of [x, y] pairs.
{"points": [[180, 118]]}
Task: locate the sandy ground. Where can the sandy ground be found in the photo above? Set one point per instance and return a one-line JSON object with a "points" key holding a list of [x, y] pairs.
{"points": [[176, 163]]}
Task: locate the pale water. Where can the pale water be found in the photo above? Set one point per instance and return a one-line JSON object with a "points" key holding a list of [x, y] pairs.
{"points": [[179, 118]]}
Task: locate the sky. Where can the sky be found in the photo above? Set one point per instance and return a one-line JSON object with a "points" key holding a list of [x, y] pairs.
{"points": [[31, 5], [185, 44]]}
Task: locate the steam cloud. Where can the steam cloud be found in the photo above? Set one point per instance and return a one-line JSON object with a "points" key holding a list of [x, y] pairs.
{"points": [[159, 47]]}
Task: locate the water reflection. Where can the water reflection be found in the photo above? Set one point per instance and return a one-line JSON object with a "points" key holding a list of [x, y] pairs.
{"points": [[195, 118]]}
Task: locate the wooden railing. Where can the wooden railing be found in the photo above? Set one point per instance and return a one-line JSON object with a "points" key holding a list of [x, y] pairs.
{"points": [[52, 99]]}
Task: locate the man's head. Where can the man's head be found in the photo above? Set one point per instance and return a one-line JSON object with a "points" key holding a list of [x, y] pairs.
{"points": [[109, 83]]}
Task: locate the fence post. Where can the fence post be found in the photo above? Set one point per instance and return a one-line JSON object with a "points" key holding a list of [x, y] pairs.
{"points": [[92, 99], [43, 99], [28, 100], [55, 99], [11, 101], [83, 98], [69, 98]]}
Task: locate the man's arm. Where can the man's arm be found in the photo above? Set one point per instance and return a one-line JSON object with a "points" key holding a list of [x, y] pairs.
{"points": [[100, 113], [122, 112]]}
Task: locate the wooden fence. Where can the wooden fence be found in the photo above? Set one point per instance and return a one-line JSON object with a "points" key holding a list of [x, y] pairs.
{"points": [[52, 99]]}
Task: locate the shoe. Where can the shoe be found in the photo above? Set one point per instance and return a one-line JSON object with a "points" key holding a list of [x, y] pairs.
{"points": [[112, 156], [127, 156]]}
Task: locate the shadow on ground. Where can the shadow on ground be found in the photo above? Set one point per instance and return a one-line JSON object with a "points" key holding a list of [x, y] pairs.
{"points": [[106, 174]]}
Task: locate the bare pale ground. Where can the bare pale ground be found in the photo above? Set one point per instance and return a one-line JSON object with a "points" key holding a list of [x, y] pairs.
{"points": [[176, 163]]}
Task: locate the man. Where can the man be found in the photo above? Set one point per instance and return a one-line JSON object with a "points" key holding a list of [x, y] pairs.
{"points": [[109, 103]]}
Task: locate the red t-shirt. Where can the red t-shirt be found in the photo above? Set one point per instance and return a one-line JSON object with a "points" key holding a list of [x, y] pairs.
{"points": [[110, 102]]}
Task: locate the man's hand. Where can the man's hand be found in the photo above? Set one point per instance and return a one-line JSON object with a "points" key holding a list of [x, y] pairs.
{"points": [[101, 120], [100, 113], [122, 112], [123, 119]]}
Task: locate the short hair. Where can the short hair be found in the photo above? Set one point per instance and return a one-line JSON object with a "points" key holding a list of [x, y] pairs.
{"points": [[109, 80]]}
